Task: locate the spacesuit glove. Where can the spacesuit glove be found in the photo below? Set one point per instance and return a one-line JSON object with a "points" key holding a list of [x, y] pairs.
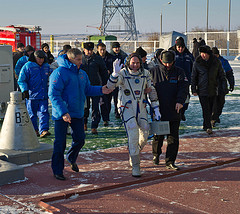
{"points": [[25, 94], [157, 114], [116, 67]]}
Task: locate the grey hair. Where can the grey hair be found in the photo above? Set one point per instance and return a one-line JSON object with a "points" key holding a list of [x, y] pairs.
{"points": [[72, 53]]}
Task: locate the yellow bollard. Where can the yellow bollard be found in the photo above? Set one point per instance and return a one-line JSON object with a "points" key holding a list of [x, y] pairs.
{"points": [[52, 43]]}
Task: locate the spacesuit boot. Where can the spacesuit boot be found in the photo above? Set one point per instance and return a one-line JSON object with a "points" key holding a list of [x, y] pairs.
{"points": [[136, 166], [130, 160]]}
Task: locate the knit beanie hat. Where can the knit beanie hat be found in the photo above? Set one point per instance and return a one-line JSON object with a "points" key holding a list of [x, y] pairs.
{"points": [[141, 52], [205, 49], [180, 42], [45, 45]]}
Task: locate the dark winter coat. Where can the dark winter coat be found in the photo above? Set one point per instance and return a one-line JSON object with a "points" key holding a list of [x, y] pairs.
{"points": [[122, 55], [108, 59], [184, 60], [206, 75], [172, 88], [16, 56], [96, 69], [50, 57]]}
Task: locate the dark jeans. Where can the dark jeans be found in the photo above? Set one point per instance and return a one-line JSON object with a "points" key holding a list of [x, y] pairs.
{"points": [[207, 109], [78, 140], [105, 106], [95, 111], [218, 107], [172, 143]]}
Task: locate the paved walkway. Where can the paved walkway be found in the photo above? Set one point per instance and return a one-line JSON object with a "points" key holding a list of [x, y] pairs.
{"points": [[208, 181]]}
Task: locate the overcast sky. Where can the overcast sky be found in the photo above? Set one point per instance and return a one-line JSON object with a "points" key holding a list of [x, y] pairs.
{"points": [[72, 16]]}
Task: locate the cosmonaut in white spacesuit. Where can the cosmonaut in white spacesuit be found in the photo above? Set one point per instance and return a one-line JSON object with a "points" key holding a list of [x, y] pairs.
{"points": [[134, 82]]}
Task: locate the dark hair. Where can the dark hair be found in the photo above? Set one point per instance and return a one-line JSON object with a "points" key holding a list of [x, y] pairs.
{"points": [[101, 45], [66, 47]]}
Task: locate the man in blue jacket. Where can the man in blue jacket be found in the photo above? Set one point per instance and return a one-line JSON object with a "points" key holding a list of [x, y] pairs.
{"points": [[220, 99], [69, 86], [24, 59], [184, 60], [33, 82]]}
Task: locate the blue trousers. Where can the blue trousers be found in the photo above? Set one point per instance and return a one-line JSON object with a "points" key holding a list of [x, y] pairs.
{"points": [[78, 140], [38, 109]]}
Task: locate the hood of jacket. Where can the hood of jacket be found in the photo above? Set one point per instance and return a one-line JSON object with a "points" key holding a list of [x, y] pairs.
{"points": [[63, 61]]}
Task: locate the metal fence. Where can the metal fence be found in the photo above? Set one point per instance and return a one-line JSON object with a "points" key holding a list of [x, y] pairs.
{"points": [[227, 43]]}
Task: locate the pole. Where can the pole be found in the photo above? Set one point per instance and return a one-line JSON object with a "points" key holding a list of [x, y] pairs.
{"points": [[160, 35], [228, 33], [207, 15], [186, 16]]}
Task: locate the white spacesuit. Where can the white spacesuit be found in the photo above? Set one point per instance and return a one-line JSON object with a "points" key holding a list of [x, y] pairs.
{"points": [[133, 83]]}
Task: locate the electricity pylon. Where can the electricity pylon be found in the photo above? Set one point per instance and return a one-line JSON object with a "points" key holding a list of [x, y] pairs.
{"points": [[126, 10]]}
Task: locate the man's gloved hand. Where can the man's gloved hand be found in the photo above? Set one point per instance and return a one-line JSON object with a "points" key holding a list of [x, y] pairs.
{"points": [[25, 94], [231, 88], [116, 67], [157, 114]]}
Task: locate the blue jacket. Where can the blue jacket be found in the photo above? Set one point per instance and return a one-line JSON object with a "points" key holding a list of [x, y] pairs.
{"points": [[20, 63], [34, 79], [184, 61], [68, 88]]}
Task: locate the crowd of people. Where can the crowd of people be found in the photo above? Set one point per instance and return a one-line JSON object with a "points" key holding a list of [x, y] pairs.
{"points": [[78, 81]]}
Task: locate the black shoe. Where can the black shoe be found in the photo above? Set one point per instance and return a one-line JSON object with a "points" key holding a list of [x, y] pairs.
{"points": [[117, 115], [209, 131], [172, 166], [156, 160], [105, 123], [183, 118], [74, 167], [60, 177]]}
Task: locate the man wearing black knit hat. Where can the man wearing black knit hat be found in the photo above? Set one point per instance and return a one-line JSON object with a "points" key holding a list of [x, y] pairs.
{"points": [[184, 60], [171, 85], [206, 74]]}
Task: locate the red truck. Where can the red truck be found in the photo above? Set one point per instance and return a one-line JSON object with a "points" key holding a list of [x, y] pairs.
{"points": [[26, 34]]}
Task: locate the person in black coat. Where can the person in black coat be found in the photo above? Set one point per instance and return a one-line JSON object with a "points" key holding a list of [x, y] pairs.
{"points": [[119, 54], [206, 74], [96, 70], [49, 56], [171, 85], [16, 56], [195, 51], [105, 103]]}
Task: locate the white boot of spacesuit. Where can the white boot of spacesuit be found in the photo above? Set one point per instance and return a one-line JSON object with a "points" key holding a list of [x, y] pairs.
{"points": [[136, 166]]}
